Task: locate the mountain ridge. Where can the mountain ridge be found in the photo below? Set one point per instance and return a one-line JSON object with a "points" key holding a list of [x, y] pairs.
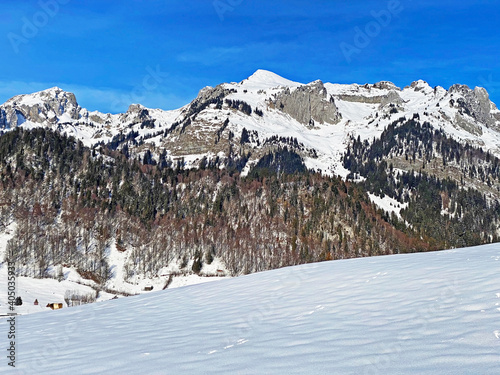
{"points": [[355, 107]]}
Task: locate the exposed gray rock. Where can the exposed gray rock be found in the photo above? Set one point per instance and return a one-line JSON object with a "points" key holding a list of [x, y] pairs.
{"points": [[205, 96], [48, 107], [308, 104], [386, 85], [392, 97], [3, 118], [208, 93], [419, 85], [475, 103], [95, 118], [10, 118], [469, 126], [135, 114], [377, 99]]}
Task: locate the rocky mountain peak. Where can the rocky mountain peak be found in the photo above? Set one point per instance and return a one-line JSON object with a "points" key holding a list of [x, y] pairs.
{"points": [[386, 85], [420, 85], [136, 113], [136, 108], [474, 103], [54, 92], [44, 106], [266, 79], [392, 97], [459, 88]]}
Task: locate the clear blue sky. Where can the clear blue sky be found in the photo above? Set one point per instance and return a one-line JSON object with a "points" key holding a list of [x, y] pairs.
{"points": [[161, 53]]}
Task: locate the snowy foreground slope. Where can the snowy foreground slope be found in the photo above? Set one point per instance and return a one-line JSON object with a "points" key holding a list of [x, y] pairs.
{"points": [[431, 313]]}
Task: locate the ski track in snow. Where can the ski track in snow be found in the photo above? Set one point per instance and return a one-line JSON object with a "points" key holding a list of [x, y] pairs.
{"points": [[430, 313]]}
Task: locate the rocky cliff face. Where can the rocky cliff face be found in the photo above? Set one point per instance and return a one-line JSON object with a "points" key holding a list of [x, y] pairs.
{"points": [[475, 103], [308, 104], [46, 106], [391, 98], [383, 93], [136, 114]]}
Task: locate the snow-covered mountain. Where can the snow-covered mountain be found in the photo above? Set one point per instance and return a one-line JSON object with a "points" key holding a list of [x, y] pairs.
{"points": [[432, 313], [96, 217], [59, 110], [322, 117]]}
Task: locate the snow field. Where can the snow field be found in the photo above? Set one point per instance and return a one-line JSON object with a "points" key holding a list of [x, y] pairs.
{"points": [[430, 313]]}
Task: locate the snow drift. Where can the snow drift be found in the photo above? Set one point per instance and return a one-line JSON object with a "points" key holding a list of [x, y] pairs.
{"points": [[420, 314]]}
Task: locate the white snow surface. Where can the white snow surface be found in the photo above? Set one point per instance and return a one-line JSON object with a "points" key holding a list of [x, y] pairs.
{"points": [[388, 204], [263, 79], [427, 313]]}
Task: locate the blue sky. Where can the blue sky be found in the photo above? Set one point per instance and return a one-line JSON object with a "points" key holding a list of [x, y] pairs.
{"points": [[161, 53]]}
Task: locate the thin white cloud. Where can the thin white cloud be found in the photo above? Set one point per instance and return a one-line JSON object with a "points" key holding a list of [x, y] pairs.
{"points": [[118, 101], [8, 89]]}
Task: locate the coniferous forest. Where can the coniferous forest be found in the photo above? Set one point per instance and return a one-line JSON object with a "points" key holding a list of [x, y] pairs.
{"points": [[72, 203]]}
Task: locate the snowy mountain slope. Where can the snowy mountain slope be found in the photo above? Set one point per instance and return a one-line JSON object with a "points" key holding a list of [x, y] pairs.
{"points": [[59, 110], [430, 313], [322, 117], [365, 111]]}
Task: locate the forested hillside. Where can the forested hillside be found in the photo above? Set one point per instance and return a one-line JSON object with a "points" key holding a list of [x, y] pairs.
{"points": [[451, 188], [71, 203]]}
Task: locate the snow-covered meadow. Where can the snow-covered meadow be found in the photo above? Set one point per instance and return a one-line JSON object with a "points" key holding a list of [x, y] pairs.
{"points": [[432, 313], [49, 290]]}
